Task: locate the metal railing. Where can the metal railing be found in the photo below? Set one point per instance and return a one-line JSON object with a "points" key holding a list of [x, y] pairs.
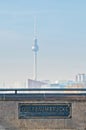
{"points": [[20, 94], [41, 90]]}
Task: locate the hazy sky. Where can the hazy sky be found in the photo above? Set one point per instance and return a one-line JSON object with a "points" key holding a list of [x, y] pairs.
{"points": [[61, 28]]}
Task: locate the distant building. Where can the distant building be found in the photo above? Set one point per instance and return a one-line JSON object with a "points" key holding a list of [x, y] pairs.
{"points": [[81, 78], [62, 84], [35, 83]]}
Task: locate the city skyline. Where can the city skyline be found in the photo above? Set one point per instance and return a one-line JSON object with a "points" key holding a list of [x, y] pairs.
{"points": [[61, 33]]}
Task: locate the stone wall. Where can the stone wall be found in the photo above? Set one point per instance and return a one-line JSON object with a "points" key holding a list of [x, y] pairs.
{"points": [[9, 119]]}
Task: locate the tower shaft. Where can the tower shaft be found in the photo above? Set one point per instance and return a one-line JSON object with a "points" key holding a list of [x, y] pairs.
{"points": [[35, 49], [35, 65]]}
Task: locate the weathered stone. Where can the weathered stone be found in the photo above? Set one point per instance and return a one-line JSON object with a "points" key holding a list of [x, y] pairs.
{"points": [[9, 115]]}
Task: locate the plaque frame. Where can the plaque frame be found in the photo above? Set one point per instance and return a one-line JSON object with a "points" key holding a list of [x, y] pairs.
{"points": [[22, 114]]}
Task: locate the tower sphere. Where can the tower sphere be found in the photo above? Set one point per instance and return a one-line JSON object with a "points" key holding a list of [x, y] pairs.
{"points": [[35, 47]]}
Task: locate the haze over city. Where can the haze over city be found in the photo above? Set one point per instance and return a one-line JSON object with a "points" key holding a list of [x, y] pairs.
{"points": [[61, 33]]}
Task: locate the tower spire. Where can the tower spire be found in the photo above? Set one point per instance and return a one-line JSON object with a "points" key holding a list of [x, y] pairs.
{"points": [[35, 49], [35, 27]]}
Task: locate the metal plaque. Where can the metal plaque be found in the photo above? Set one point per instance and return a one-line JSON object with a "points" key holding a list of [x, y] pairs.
{"points": [[44, 110]]}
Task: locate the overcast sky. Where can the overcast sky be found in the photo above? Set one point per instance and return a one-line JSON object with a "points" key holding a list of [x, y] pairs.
{"points": [[61, 30]]}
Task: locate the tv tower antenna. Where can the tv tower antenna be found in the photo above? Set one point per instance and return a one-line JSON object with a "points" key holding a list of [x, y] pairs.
{"points": [[35, 49]]}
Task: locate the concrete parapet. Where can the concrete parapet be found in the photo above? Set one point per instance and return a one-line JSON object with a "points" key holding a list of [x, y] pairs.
{"points": [[9, 113]]}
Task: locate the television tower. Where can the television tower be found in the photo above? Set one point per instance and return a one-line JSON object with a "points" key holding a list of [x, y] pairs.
{"points": [[35, 49]]}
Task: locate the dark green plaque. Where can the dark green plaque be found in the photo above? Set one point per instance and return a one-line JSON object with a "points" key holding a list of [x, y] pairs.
{"points": [[44, 110]]}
